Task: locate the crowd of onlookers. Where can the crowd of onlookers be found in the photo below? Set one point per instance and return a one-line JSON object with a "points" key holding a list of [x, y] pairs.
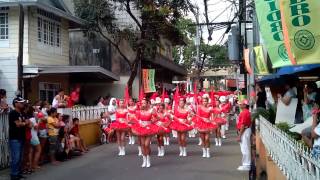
{"points": [[38, 134]]}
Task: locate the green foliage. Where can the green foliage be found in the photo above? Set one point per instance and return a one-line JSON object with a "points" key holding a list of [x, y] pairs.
{"points": [[269, 114], [286, 129]]}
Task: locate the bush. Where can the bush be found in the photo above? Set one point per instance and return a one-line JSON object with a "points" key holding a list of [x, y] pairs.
{"points": [[286, 129]]}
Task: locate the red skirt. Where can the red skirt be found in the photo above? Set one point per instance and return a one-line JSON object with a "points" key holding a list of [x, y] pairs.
{"points": [[119, 126], [203, 126], [177, 126], [220, 121], [148, 130]]}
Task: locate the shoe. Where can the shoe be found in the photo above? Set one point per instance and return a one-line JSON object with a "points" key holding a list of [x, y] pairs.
{"points": [[219, 142], [165, 141], [224, 137], [140, 151], [144, 163], [133, 140], [181, 151], [200, 142], [216, 140], [208, 153], [120, 151], [243, 168], [168, 141], [184, 154], [159, 151], [123, 151], [204, 152], [162, 151], [148, 162]]}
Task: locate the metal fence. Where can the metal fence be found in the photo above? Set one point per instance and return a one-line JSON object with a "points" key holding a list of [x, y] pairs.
{"points": [[88, 112], [4, 139], [293, 159]]}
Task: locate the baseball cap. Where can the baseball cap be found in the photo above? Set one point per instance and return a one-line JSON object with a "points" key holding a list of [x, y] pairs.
{"points": [[18, 100], [244, 101]]}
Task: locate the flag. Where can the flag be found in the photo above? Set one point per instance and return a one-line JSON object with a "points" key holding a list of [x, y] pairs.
{"points": [[300, 20], [269, 17], [148, 80], [247, 60], [260, 61]]}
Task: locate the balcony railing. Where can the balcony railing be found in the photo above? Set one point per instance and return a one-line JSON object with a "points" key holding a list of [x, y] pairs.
{"points": [[292, 158]]}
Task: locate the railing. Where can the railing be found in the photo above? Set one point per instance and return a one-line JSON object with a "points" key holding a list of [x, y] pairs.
{"points": [[293, 159], [88, 112], [4, 139]]}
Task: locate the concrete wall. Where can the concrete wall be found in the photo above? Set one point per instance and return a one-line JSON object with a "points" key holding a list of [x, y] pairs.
{"points": [[90, 132]]}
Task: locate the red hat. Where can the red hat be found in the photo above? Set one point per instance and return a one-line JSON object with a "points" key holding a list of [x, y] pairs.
{"points": [[40, 115], [244, 101]]}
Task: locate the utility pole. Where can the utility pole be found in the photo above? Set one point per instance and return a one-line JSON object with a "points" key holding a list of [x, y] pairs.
{"points": [[197, 43], [20, 51]]}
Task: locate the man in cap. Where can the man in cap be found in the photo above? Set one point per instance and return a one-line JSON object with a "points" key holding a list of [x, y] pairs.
{"points": [[244, 132], [17, 126]]}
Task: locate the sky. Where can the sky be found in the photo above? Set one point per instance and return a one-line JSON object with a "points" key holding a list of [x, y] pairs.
{"points": [[218, 11]]}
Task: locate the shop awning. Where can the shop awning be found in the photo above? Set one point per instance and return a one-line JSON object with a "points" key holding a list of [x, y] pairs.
{"points": [[77, 72], [296, 69], [168, 64]]}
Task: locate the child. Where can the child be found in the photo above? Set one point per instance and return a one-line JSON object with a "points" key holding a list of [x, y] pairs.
{"points": [[75, 132], [105, 127]]}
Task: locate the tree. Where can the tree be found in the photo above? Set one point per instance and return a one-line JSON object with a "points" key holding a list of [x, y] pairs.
{"points": [[210, 55], [155, 17]]}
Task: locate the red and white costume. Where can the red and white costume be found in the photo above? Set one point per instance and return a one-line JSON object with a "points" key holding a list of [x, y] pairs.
{"points": [[145, 126], [121, 122], [163, 123], [181, 122], [204, 120], [132, 118], [218, 119]]}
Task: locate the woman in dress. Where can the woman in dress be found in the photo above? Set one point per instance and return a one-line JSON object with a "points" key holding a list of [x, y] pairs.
{"points": [[145, 129], [182, 124], [163, 122], [205, 125], [121, 126], [219, 121], [132, 119]]}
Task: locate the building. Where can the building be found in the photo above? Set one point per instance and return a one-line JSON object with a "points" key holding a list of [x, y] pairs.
{"points": [[46, 64]]}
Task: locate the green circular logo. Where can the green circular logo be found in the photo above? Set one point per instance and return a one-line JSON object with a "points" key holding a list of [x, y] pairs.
{"points": [[304, 40], [282, 51]]}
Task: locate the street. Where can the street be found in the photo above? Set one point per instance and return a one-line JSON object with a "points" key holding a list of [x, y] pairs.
{"points": [[103, 163]]}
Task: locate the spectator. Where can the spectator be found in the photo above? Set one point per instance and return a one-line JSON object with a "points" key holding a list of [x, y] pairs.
{"points": [[44, 107], [309, 95], [53, 129], [101, 102], [289, 94], [74, 97], [105, 127], [35, 148], [315, 130], [75, 132], [17, 125], [60, 100], [43, 134], [37, 105], [3, 101], [261, 96], [112, 109], [27, 142]]}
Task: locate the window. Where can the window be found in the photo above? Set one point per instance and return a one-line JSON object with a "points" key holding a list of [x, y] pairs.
{"points": [[47, 91], [49, 29], [4, 27]]}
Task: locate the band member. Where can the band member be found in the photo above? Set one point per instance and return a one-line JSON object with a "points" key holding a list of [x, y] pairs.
{"points": [[182, 124], [220, 122], [244, 131], [132, 119], [205, 125], [224, 107], [163, 122], [145, 129], [121, 126]]}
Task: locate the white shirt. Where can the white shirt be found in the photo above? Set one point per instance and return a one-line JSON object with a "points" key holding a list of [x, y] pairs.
{"points": [[112, 111], [34, 132]]}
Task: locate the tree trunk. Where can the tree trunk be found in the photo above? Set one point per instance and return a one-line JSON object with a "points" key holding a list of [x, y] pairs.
{"points": [[134, 69]]}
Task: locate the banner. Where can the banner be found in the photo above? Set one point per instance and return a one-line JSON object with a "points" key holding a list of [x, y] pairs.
{"points": [[302, 29], [269, 18], [148, 80], [260, 61], [247, 60]]}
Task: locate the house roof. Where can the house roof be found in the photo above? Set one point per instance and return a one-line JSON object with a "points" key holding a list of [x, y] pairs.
{"points": [[56, 7]]}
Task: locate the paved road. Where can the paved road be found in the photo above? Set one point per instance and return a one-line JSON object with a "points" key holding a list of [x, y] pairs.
{"points": [[101, 163]]}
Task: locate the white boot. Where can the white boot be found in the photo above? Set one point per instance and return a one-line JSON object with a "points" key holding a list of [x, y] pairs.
{"points": [[219, 142], [144, 163], [168, 141], [200, 142], [120, 151], [148, 162], [204, 152], [123, 151], [159, 151], [133, 140], [216, 140], [208, 153], [164, 141], [184, 152], [162, 150], [129, 140], [140, 151], [181, 150]]}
